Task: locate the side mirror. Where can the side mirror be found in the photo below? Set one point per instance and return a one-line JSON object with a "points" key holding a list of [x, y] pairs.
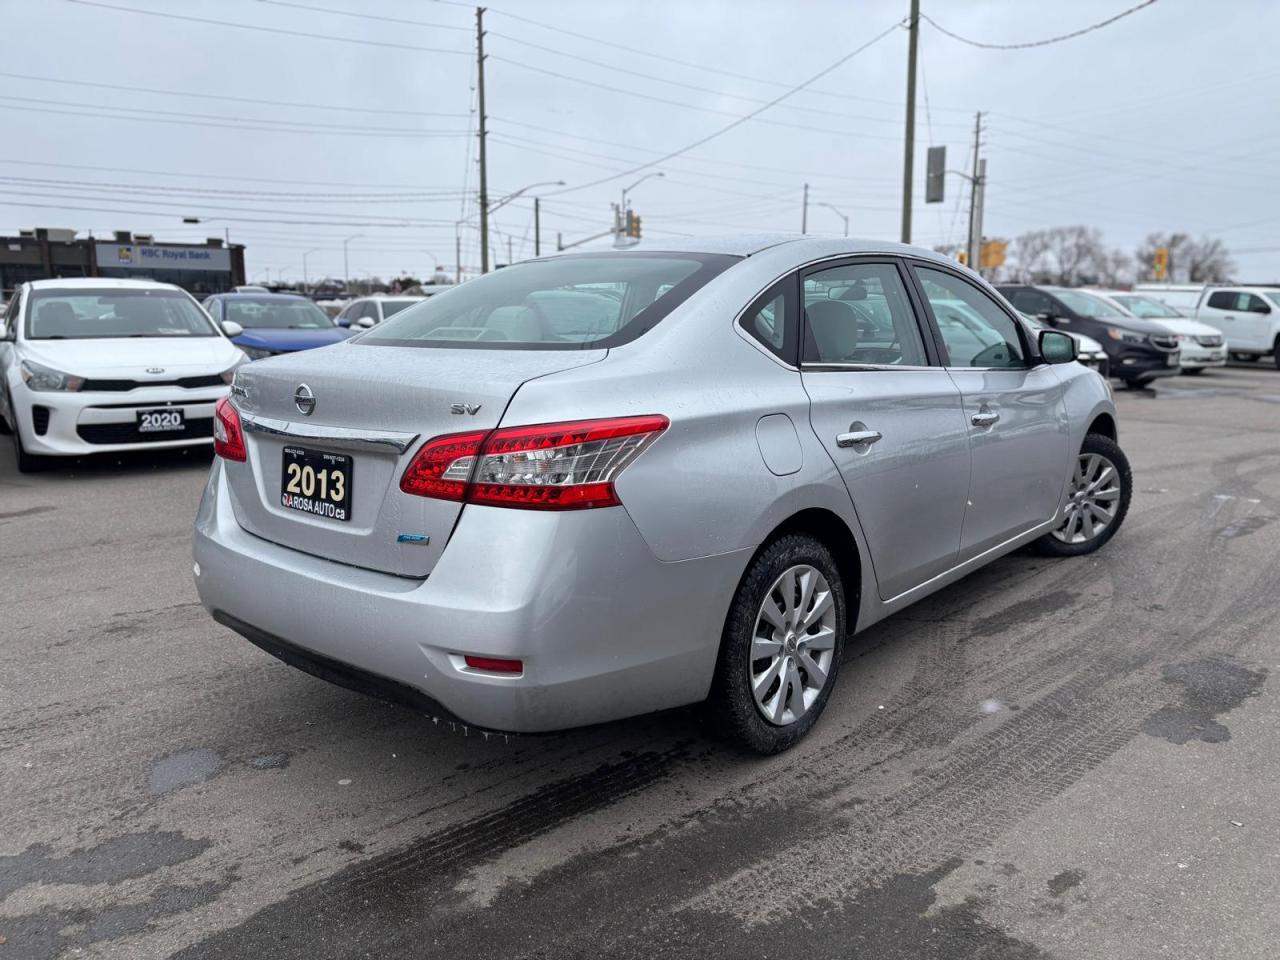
{"points": [[364, 323], [343, 321], [231, 328], [1057, 347]]}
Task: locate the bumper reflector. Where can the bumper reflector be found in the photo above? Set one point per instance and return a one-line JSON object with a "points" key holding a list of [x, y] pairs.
{"points": [[495, 664]]}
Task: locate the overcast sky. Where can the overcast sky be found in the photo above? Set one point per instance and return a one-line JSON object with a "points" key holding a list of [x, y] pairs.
{"points": [[1166, 120]]}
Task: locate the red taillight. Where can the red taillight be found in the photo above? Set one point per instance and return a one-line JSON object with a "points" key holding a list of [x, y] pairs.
{"points": [[494, 664], [228, 436], [547, 466], [442, 466]]}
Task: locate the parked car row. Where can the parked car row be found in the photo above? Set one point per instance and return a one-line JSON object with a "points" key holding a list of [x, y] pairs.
{"points": [[1247, 315], [1142, 341]]}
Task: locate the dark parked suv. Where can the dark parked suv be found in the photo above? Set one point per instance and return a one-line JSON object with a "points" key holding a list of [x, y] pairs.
{"points": [[1138, 350]]}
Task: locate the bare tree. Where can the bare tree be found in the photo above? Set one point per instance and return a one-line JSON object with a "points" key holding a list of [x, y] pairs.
{"points": [[1207, 261], [1029, 251], [1114, 268], [1075, 252]]}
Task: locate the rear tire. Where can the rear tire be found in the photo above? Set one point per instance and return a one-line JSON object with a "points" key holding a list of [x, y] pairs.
{"points": [[790, 648], [1101, 486], [1244, 357], [1275, 352], [1193, 371]]}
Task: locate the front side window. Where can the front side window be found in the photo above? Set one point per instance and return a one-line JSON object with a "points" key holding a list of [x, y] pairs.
{"points": [[390, 307], [976, 331], [1222, 300], [567, 303], [87, 314], [257, 313], [860, 313]]}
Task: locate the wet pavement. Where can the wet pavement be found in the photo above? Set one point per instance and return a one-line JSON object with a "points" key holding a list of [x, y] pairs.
{"points": [[1051, 758]]}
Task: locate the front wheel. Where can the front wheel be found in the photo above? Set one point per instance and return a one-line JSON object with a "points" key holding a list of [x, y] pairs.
{"points": [[781, 647], [1192, 371], [1097, 501], [1275, 352]]}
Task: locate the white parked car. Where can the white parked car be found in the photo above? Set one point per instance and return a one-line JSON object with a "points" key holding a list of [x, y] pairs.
{"points": [[1249, 318], [368, 311], [95, 365], [1201, 345]]}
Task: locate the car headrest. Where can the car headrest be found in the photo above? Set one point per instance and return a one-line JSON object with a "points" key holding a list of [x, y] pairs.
{"points": [[835, 328]]}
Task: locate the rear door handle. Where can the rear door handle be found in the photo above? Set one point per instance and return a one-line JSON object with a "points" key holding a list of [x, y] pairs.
{"points": [[856, 437], [985, 419]]}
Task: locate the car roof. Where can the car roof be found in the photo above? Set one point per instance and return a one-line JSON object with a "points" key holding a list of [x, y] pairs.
{"points": [[262, 296], [99, 283], [749, 244]]}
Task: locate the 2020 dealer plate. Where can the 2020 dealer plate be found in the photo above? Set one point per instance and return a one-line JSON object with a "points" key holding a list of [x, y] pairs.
{"points": [[315, 482]]}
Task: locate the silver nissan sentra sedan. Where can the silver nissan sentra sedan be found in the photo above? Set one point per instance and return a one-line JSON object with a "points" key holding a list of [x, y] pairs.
{"points": [[600, 484]]}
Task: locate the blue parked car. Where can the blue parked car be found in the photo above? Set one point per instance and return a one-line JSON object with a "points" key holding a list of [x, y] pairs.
{"points": [[266, 324]]}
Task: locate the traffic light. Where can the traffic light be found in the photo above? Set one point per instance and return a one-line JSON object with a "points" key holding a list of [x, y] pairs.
{"points": [[1160, 262], [993, 254], [633, 225], [963, 257]]}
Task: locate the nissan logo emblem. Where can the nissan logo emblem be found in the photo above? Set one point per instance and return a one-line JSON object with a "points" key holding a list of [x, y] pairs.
{"points": [[304, 399]]}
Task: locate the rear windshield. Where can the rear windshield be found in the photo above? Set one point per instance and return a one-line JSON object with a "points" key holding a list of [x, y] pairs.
{"points": [[277, 314], [570, 303], [96, 314]]}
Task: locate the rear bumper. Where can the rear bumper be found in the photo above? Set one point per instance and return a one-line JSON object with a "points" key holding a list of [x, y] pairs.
{"points": [[604, 629]]}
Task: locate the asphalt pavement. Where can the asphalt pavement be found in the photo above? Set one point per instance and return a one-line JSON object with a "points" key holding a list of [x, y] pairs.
{"points": [[1051, 758]]}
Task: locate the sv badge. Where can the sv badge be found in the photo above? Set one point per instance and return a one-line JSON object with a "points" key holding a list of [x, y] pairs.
{"points": [[460, 408]]}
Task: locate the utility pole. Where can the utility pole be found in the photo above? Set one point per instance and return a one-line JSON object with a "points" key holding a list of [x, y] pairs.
{"points": [[511, 257], [980, 190], [484, 167], [537, 227], [804, 211], [975, 197], [457, 258], [908, 158]]}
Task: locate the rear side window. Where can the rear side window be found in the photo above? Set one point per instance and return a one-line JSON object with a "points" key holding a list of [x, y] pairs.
{"points": [[1032, 301], [772, 320], [575, 302], [1222, 300]]}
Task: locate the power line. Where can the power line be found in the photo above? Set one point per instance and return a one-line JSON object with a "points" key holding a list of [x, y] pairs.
{"points": [[274, 123], [262, 29], [614, 68], [233, 219], [364, 16], [740, 120], [596, 85], [766, 81], [1036, 43], [207, 176], [438, 197], [230, 99]]}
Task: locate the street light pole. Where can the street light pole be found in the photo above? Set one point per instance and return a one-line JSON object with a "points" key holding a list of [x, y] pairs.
{"points": [[305, 282], [346, 270], [833, 209], [623, 206]]}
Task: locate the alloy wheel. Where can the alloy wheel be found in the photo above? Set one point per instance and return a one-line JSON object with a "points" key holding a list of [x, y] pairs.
{"points": [[1093, 500], [792, 645]]}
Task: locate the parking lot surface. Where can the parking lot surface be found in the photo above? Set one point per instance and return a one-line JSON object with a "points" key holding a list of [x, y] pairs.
{"points": [[1051, 758]]}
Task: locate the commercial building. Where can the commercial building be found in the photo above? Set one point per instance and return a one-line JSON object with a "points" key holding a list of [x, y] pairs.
{"points": [[209, 267]]}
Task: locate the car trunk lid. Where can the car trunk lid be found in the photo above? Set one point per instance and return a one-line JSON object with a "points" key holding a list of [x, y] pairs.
{"points": [[371, 408]]}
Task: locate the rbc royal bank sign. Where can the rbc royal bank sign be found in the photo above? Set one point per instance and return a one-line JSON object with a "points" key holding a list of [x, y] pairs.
{"points": [[145, 258]]}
